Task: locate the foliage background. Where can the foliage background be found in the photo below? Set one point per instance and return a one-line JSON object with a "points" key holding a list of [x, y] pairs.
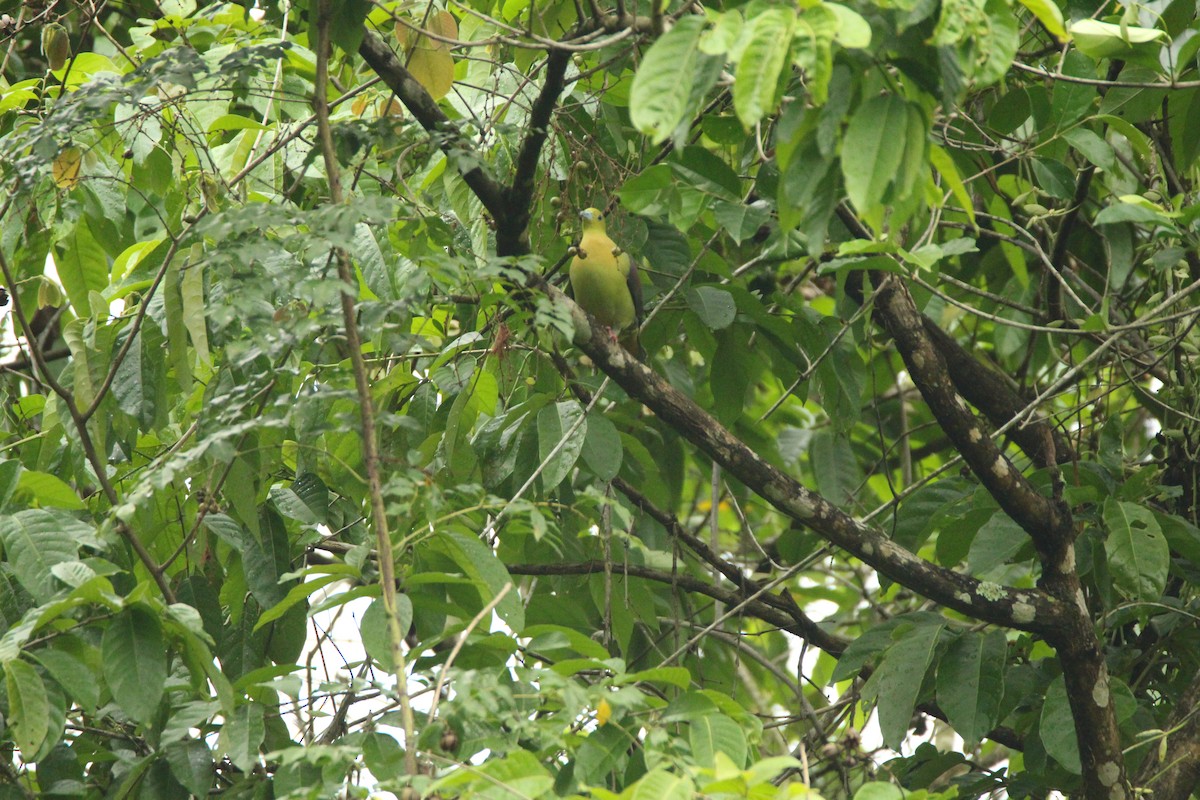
{"points": [[285, 334]]}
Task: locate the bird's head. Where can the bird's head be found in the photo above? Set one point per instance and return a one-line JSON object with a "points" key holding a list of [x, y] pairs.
{"points": [[593, 219]]}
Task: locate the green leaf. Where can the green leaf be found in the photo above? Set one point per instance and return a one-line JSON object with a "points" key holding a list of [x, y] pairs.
{"points": [[560, 642], [1138, 555], [656, 104], [650, 191], [383, 755], [853, 31], [519, 774], [715, 306], [34, 541], [970, 683], [10, 476], [191, 292], [29, 707], [479, 563], [661, 784], [1093, 148], [1131, 212], [49, 490], [603, 751], [75, 665], [877, 790], [135, 661], [679, 677], [1105, 40], [346, 24], [562, 430], [139, 384], [266, 561], [602, 451], [717, 733], [833, 464], [996, 541], [1050, 15], [742, 221], [946, 167], [298, 593], [899, 677], [192, 765], [767, 38], [82, 267], [177, 336], [874, 147], [376, 633], [1056, 728], [242, 734]]}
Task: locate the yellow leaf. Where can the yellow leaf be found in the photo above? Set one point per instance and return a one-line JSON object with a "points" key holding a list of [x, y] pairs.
{"points": [[433, 68], [603, 712], [429, 59], [65, 168], [443, 24]]}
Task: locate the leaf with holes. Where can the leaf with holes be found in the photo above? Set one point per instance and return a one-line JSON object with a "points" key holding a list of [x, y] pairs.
{"points": [[1138, 554]]}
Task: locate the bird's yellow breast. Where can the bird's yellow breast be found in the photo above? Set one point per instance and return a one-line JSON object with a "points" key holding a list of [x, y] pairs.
{"points": [[600, 285]]}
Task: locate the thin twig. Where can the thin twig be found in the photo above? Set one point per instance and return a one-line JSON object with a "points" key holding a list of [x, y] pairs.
{"points": [[383, 542]]}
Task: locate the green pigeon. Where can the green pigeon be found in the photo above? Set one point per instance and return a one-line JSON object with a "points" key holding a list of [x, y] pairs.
{"points": [[605, 281]]}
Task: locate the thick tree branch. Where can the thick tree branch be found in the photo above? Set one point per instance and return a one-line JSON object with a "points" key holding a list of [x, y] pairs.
{"points": [[1031, 610], [1047, 521], [461, 152], [989, 391], [512, 238], [508, 205], [998, 400], [782, 602]]}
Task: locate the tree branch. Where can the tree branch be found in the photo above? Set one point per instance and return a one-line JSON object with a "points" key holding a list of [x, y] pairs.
{"points": [[512, 237], [1032, 610], [383, 541], [382, 59], [1046, 521], [984, 388]]}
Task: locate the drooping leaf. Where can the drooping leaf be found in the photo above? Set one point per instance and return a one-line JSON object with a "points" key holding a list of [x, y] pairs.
{"points": [[715, 306], [970, 683], [28, 706], [899, 677], [717, 733], [1056, 728], [767, 39], [875, 144], [82, 266], [656, 106], [192, 765], [135, 661], [601, 449]]}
